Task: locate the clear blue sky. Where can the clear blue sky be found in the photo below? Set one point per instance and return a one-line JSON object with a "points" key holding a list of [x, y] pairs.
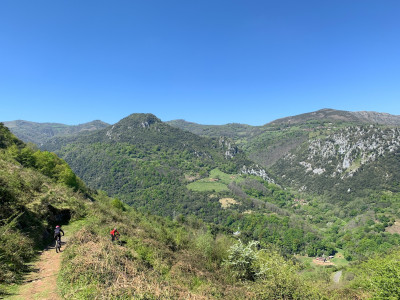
{"points": [[210, 62]]}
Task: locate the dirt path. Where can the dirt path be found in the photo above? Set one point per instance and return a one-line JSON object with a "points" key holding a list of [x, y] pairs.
{"points": [[336, 276], [42, 282]]}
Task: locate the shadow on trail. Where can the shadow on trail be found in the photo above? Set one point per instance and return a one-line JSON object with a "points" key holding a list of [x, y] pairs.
{"points": [[32, 271], [121, 243], [38, 270]]}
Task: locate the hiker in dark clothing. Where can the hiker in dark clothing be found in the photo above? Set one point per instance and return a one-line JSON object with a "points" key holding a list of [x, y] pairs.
{"points": [[57, 233], [114, 234]]}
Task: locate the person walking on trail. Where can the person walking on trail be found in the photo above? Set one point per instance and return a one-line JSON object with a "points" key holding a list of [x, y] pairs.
{"points": [[57, 233], [114, 234]]}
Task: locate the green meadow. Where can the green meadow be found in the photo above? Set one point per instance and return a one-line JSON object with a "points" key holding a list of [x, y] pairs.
{"points": [[217, 181]]}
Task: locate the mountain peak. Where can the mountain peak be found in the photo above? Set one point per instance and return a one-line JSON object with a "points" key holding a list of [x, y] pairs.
{"points": [[140, 119]]}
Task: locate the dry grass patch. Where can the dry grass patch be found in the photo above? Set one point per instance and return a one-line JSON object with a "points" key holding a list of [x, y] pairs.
{"points": [[395, 228], [227, 202], [191, 178]]}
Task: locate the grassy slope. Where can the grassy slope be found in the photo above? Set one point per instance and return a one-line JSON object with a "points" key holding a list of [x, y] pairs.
{"points": [[157, 259]]}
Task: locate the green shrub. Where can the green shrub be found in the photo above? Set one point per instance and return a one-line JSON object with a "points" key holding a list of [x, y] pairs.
{"points": [[15, 251], [381, 276], [118, 204], [241, 259]]}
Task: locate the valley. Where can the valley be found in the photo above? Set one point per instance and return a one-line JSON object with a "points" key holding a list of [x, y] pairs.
{"points": [[309, 186]]}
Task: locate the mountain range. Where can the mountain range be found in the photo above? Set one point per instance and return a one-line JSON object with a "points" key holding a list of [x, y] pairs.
{"points": [[326, 151], [38, 133], [324, 183]]}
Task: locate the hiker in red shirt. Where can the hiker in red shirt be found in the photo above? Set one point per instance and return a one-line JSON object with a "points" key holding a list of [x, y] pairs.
{"points": [[114, 234]]}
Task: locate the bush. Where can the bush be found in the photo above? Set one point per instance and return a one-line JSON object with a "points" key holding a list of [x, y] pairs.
{"points": [[118, 204], [241, 259], [15, 251]]}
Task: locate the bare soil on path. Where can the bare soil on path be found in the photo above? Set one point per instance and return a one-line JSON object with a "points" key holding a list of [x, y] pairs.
{"points": [[336, 276], [42, 282]]}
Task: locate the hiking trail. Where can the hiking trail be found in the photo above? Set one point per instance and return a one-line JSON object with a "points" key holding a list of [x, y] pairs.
{"points": [[336, 276], [41, 283]]}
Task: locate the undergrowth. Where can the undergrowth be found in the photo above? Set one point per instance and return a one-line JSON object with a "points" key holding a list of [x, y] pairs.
{"points": [[155, 259]]}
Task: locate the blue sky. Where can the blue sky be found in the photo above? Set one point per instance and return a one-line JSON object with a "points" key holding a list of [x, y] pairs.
{"points": [[210, 62]]}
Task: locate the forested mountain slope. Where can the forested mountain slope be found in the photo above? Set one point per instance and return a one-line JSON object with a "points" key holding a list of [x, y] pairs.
{"points": [[38, 133], [148, 163]]}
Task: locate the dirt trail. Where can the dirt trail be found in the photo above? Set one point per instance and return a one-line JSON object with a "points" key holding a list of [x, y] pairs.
{"points": [[42, 282], [336, 276]]}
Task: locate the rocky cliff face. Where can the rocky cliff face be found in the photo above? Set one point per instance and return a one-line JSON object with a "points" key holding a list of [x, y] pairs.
{"points": [[368, 152], [350, 149], [230, 148], [257, 171]]}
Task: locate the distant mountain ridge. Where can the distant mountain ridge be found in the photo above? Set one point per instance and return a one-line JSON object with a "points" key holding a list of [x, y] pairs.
{"points": [[378, 118], [328, 114], [231, 130], [39, 133]]}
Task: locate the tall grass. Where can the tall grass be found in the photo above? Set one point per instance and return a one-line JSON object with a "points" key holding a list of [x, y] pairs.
{"points": [[156, 259]]}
